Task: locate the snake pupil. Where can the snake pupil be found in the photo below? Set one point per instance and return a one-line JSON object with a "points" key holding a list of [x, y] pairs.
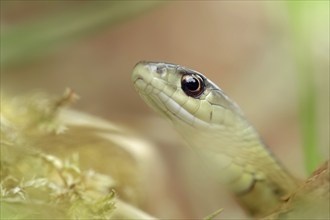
{"points": [[192, 85]]}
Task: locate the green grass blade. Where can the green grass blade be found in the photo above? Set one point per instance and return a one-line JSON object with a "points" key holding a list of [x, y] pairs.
{"points": [[302, 22]]}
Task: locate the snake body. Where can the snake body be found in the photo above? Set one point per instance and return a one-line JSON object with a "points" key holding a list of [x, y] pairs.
{"points": [[218, 132]]}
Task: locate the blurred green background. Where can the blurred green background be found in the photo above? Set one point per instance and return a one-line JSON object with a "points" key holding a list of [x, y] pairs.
{"points": [[271, 57]]}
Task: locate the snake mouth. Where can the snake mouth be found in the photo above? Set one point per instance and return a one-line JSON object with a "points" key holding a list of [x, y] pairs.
{"points": [[142, 76], [139, 84], [138, 78]]}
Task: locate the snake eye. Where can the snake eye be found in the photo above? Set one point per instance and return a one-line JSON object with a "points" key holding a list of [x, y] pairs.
{"points": [[192, 85]]}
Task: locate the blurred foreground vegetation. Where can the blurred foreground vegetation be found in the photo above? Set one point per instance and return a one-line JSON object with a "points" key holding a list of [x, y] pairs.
{"points": [[43, 155]]}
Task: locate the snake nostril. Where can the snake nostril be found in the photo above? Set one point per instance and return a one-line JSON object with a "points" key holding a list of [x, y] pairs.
{"points": [[160, 69]]}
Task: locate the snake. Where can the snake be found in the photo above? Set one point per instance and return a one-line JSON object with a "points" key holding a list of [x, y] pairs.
{"points": [[218, 132]]}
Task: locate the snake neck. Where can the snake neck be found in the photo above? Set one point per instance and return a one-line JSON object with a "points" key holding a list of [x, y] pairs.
{"points": [[251, 172]]}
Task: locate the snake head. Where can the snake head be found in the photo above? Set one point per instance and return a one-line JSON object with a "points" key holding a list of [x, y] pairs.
{"points": [[183, 95]]}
